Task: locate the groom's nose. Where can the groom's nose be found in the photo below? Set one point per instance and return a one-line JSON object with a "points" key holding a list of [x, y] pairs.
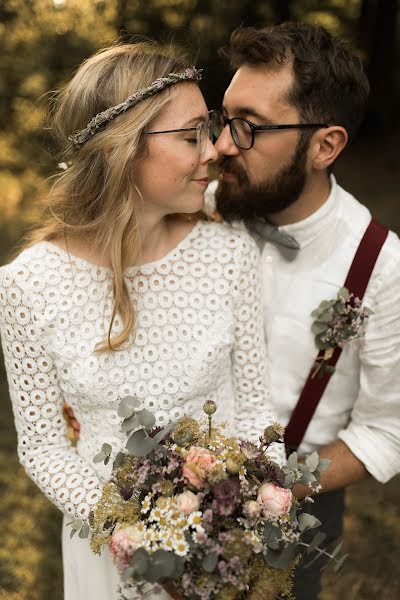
{"points": [[225, 146]]}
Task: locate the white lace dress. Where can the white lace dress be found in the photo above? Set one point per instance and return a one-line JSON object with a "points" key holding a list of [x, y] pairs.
{"points": [[199, 336]]}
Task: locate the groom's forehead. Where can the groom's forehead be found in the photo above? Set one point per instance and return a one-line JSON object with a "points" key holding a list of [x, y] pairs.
{"points": [[258, 90]]}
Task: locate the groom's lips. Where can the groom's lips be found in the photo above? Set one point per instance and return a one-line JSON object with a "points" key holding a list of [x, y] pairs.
{"points": [[229, 176]]}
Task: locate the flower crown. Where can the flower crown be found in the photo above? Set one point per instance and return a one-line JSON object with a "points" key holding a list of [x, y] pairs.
{"points": [[79, 138]]}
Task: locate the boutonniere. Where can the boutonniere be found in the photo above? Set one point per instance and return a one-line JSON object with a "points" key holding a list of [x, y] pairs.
{"points": [[336, 323]]}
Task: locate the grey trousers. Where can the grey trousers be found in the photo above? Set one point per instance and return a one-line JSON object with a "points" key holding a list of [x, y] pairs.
{"points": [[329, 509]]}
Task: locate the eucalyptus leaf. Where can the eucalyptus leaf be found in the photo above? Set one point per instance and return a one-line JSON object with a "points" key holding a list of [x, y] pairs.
{"points": [[128, 572], [140, 444], [127, 406], [99, 457], [292, 461], [209, 562], [106, 449], [326, 317], [316, 541], [119, 459], [307, 521], [161, 434], [337, 549], [340, 562], [289, 480], [164, 563], [85, 530], [307, 477], [77, 524], [317, 327], [344, 293], [281, 559], [272, 535], [106, 460], [327, 303], [140, 561], [130, 423], [312, 461], [146, 419], [72, 533], [312, 561], [179, 566]]}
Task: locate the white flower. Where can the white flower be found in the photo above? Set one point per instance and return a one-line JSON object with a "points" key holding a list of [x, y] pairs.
{"points": [[194, 519], [181, 547]]}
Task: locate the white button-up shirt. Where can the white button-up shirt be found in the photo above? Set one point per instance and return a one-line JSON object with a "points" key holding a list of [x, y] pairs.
{"points": [[361, 404]]}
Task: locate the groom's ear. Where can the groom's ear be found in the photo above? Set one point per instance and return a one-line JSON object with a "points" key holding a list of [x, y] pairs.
{"points": [[326, 145]]}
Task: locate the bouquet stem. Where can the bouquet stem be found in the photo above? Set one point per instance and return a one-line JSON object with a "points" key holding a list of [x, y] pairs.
{"points": [[171, 590]]}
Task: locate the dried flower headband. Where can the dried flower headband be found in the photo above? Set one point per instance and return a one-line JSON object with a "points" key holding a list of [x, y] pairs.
{"points": [[79, 138]]}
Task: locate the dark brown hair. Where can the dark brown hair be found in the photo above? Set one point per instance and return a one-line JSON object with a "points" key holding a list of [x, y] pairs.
{"points": [[330, 85]]}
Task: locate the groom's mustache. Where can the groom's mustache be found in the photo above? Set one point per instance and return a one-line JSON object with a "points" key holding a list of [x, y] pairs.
{"points": [[227, 163]]}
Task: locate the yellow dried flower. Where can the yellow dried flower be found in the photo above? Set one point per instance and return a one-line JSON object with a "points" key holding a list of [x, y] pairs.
{"points": [[216, 474], [228, 593], [186, 431], [237, 544], [167, 488]]}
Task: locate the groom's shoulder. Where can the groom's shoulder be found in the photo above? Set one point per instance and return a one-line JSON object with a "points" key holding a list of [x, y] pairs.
{"points": [[357, 216]]}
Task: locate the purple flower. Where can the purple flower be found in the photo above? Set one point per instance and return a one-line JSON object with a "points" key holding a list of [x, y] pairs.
{"points": [[226, 496]]}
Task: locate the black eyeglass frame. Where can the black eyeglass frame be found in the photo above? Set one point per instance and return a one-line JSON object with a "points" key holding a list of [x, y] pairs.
{"points": [[256, 128]]}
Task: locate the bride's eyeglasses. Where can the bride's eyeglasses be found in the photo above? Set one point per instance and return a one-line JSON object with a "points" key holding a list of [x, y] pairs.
{"points": [[243, 131], [203, 134]]}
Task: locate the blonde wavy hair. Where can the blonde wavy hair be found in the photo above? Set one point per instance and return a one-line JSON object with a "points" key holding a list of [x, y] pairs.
{"points": [[96, 197]]}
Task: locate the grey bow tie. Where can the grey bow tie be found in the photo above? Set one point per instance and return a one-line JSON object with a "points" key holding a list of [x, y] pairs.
{"points": [[270, 233]]}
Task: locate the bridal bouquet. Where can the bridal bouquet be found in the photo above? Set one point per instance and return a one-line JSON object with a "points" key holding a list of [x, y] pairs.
{"points": [[198, 512]]}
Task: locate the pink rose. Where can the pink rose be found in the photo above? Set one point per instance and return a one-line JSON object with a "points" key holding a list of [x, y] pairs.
{"points": [[187, 502], [274, 499], [124, 542], [251, 509], [198, 463]]}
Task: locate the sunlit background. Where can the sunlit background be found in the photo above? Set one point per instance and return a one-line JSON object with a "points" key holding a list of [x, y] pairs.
{"points": [[41, 43]]}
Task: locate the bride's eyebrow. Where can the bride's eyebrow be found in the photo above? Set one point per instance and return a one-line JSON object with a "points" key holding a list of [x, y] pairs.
{"points": [[194, 121]]}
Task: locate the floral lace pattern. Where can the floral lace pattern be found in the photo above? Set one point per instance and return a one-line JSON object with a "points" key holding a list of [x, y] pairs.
{"points": [[199, 336]]}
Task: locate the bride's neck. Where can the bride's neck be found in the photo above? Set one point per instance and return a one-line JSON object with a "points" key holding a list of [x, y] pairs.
{"points": [[155, 237]]}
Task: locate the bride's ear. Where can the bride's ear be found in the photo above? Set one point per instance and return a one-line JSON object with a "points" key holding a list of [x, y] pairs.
{"points": [[326, 145]]}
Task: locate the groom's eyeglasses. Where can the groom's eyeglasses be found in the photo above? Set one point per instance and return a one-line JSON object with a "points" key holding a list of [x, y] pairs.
{"points": [[243, 131]]}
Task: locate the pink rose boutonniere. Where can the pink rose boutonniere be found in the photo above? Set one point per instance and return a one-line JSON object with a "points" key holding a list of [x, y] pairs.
{"points": [[336, 323]]}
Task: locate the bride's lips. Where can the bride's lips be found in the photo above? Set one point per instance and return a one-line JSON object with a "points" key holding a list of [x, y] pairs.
{"points": [[204, 181]]}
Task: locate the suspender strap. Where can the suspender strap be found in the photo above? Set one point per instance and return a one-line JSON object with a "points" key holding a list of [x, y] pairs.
{"points": [[356, 282]]}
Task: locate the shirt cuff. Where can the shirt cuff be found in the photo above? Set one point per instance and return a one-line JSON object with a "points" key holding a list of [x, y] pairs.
{"points": [[379, 455]]}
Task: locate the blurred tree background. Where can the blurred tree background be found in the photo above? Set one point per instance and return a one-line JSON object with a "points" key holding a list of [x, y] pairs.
{"points": [[41, 43]]}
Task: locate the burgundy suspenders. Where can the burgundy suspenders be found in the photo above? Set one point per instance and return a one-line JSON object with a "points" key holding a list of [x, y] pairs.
{"points": [[356, 282]]}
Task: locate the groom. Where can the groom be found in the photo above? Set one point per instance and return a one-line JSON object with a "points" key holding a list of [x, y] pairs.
{"points": [[296, 99]]}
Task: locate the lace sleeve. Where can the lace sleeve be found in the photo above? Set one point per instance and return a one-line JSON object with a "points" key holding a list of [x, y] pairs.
{"points": [[44, 451], [253, 408]]}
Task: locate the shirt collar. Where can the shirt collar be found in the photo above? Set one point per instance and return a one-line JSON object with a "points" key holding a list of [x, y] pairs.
{"points": [[308, 229]]}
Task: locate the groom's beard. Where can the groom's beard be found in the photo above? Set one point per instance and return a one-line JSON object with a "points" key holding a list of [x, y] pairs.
{"points": [[242, 200]]}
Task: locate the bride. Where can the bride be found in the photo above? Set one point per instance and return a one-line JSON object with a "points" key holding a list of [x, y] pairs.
{"points": [[123, 290]]}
